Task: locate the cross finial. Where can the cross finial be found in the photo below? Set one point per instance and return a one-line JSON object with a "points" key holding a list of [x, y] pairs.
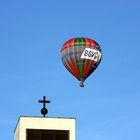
{"points": [[44, 110]]}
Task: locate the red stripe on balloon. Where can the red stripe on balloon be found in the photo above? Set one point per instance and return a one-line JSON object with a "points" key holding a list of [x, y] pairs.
{"points": [[75, 68], [68, 44], [69, 69], [87, 68], [72, 68], [90, 43]]}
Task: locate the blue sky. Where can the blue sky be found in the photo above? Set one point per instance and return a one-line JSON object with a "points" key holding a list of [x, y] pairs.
{"points": [[32, 33]]}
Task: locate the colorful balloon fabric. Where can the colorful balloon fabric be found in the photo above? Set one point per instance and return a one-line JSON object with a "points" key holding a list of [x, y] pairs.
{"points": [[81, 56]]}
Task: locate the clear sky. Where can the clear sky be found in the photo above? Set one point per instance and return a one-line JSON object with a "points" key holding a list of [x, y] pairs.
{"points": [[32, 33]]}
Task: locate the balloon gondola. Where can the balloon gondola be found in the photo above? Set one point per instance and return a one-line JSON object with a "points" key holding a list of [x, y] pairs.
{"points": [[81, 56]]}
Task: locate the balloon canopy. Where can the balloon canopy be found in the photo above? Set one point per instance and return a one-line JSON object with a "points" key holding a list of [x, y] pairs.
{"points": [[81, 56]]}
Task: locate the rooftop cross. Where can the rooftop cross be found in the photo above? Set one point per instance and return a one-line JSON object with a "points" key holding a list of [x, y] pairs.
{"points": [[44, 110]]}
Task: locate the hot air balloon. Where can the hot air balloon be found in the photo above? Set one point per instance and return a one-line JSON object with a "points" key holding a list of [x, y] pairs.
{"points": [[81, 56]]}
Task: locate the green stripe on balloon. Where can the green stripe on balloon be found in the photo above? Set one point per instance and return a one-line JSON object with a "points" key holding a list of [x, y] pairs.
{"points": [[80, 42]]}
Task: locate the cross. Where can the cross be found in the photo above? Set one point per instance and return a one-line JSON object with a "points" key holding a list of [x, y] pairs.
{"points": [[44, 110]]}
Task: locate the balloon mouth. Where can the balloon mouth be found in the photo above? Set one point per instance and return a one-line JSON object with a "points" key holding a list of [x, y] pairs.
{"points": [[81, 84]]}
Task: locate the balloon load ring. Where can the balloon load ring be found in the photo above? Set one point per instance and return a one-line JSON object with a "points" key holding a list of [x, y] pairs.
{"points": [[81, 84]]}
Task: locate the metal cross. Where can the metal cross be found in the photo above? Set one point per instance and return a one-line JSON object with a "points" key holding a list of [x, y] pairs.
{"points": [[44, 110]]}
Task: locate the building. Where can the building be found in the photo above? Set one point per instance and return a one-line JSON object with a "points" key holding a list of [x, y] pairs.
{"points": [[44, 128]]}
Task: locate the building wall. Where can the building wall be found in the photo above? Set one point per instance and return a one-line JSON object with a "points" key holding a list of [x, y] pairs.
{"points": [[17, 133]]}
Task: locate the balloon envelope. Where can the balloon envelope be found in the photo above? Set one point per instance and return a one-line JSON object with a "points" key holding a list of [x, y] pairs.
{"points": [[81, 56]]}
